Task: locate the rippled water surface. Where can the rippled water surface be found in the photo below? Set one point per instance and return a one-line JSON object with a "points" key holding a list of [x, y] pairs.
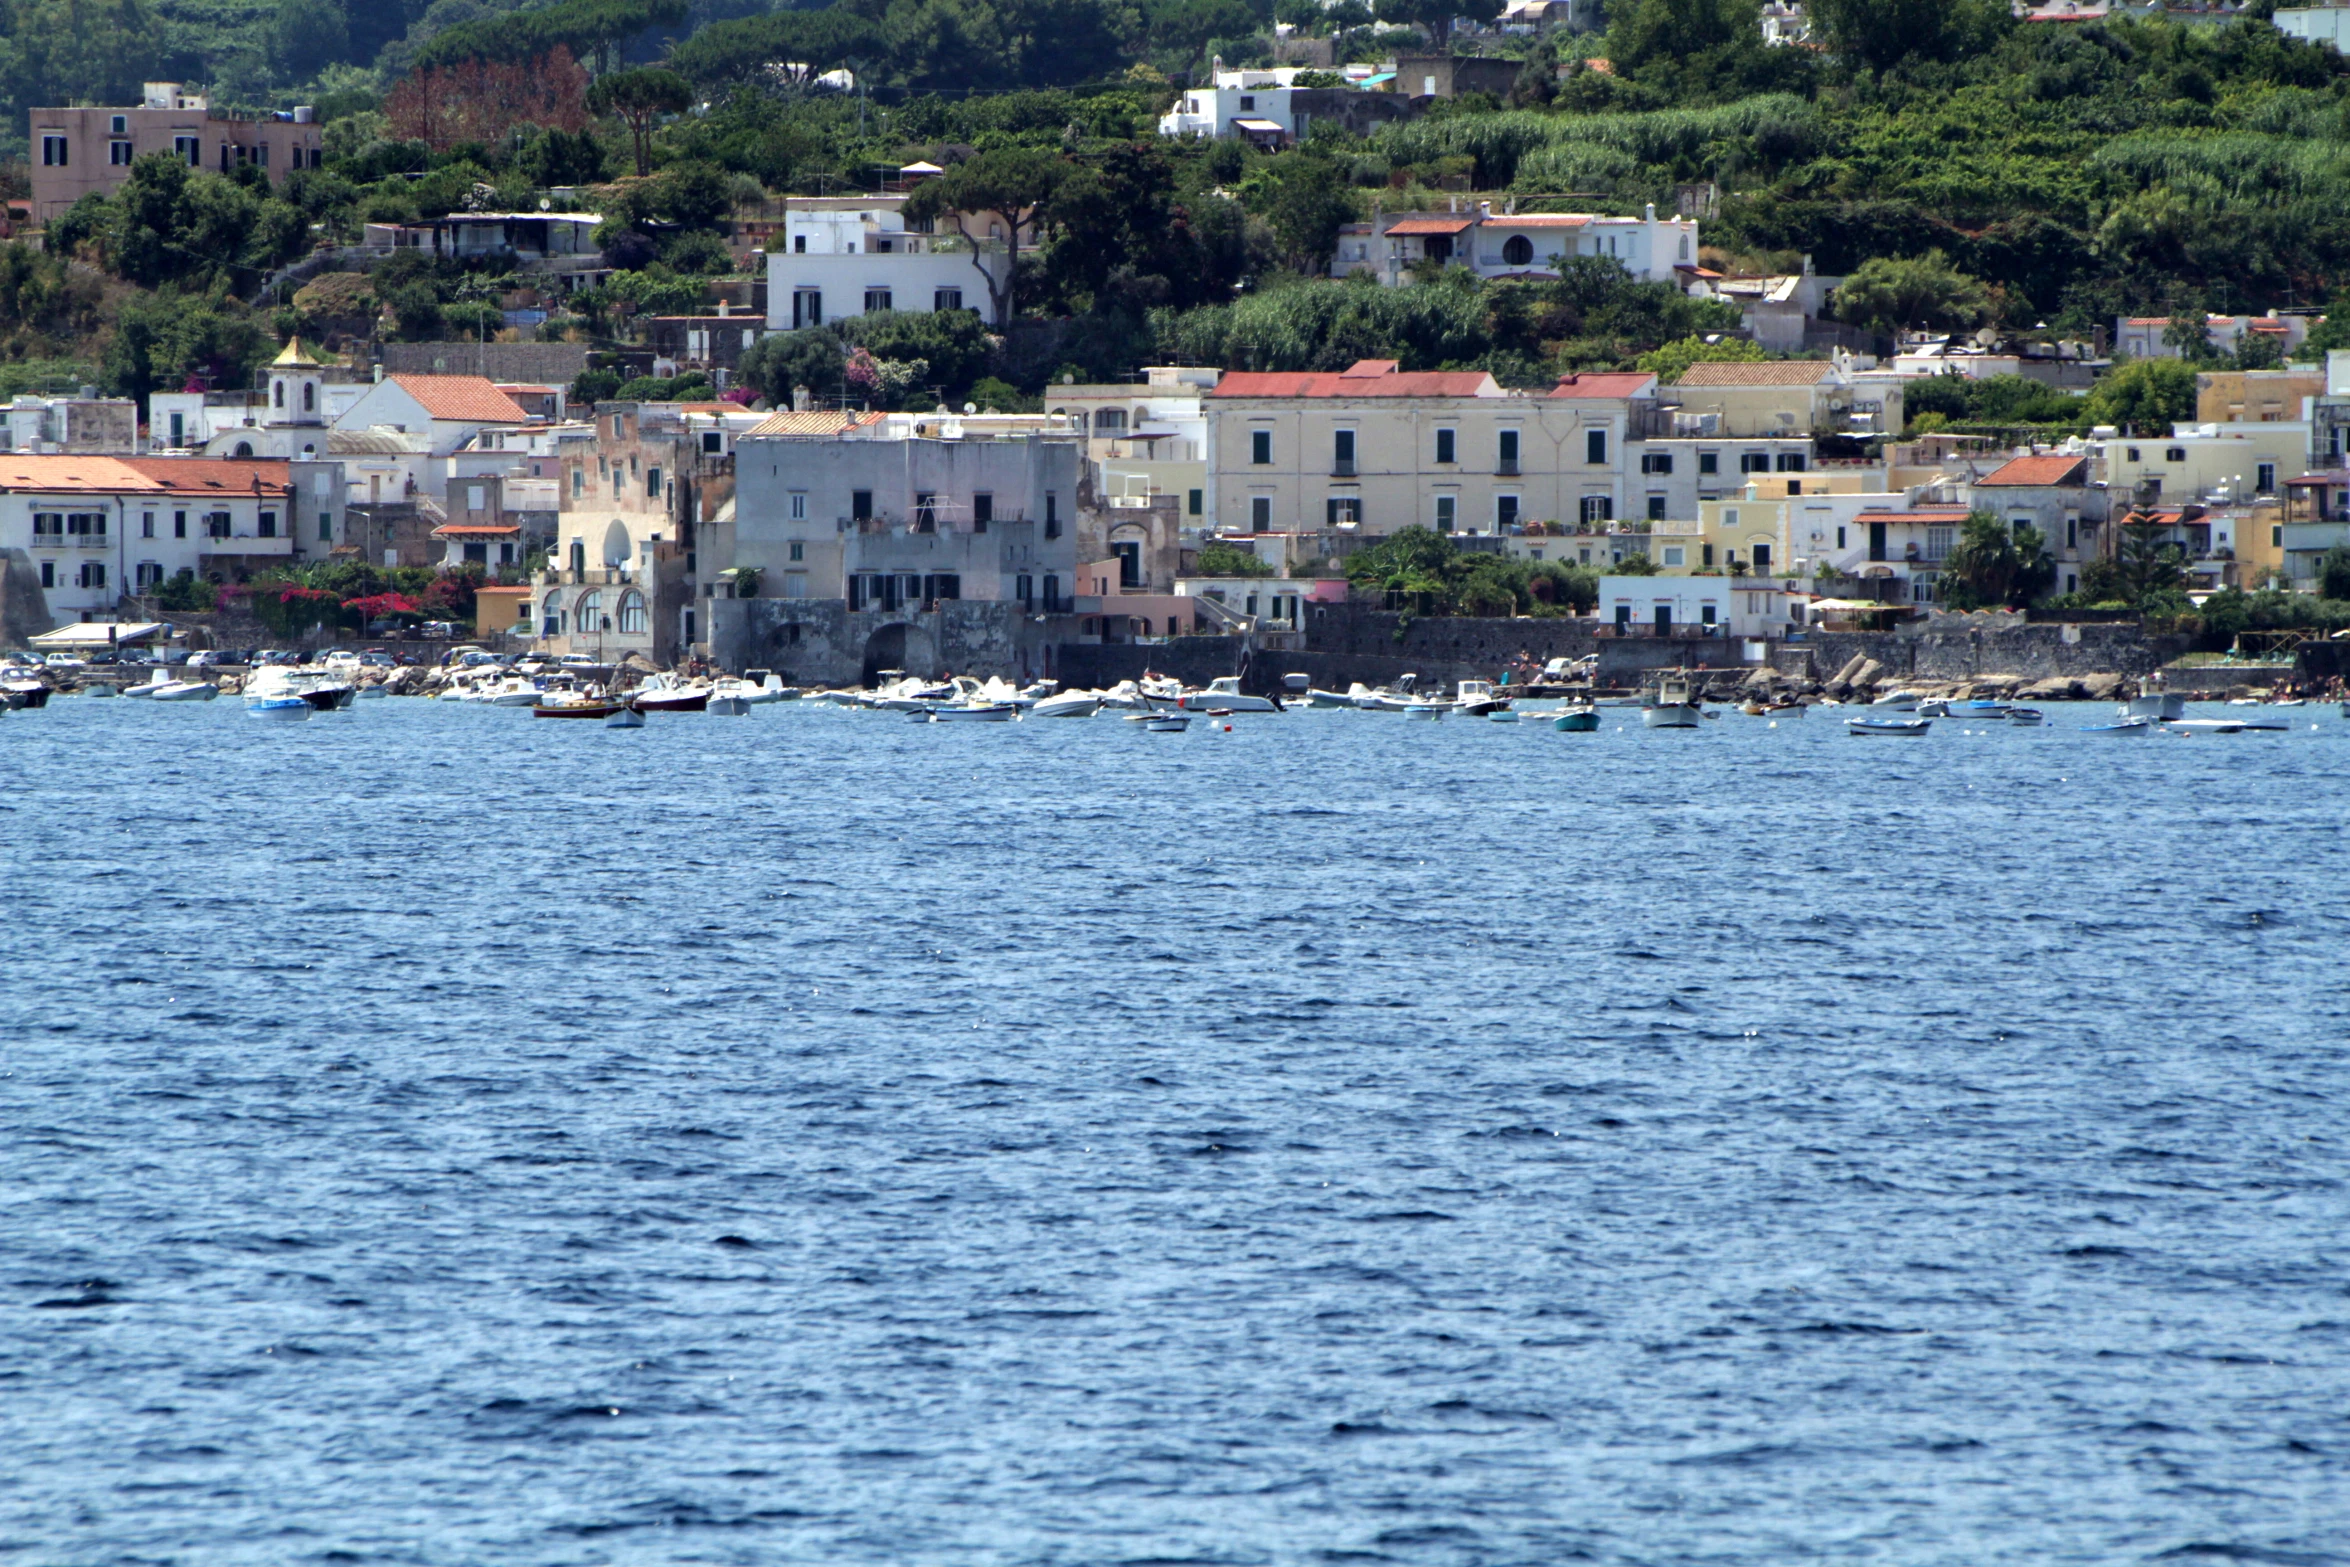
{"points": [[434, 1135]]}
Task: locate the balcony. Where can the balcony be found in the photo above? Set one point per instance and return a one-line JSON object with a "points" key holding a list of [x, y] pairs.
{"points": [[1342, 468], [1506, 468], [73, 541], [247, 545]]}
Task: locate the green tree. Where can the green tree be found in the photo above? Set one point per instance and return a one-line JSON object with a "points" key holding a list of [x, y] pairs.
{"points": [[782, 361], [638, 99], [2333, 573], [1435, 15], [1994, 565], [1010, 190], [560, 157], [1310, 201], [307, 36], [1670, 361], [1881, 34], [2144, 395], [168, 339], [2150, 566], [1218, 559], [1894, 295]]}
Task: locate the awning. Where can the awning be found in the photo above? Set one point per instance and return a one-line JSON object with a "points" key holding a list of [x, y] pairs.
{"points": [[1258, 127], [1828, 604], [1430, 226], [99, 633]]}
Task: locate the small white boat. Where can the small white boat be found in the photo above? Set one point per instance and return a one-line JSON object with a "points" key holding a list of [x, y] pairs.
{"points": [[1501, 715], [283, 709], [102, 688], [1429, 710], [1068, 704], [2137, 725], [755, 686], [624, 718], [1674, 705], [1477, 698], [1162, 723], [1933, 707], [2165, 705], [2204, 726], [727, 706], [1317, 697], [1225, 692], [970, 712], [2264, 724], [186, 691], [149, 686], [1909, 728], [1896, 702], [2290, 701], [1387, 699], [2025, 717]]}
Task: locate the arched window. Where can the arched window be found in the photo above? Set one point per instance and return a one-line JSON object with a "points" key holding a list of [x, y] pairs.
{"points": [[277, 394], [1518, 251], [632, 613], [244, 449], [309, 397], [588, 618], [551, 623]]}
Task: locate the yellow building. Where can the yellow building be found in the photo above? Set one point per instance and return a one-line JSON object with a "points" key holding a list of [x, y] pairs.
{"points": [[2255, 396]]}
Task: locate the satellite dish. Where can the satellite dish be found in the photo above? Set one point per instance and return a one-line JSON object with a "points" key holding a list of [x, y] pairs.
{"points": [[970, 408]]}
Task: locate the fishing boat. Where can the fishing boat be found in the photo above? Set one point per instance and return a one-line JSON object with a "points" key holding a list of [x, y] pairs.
{"points": [[282, 709], [624, 718], [1576, 720], [1477, 698], [1933, 707], [1224, 691], [1068, 704], [574, 706], [1162, 723], [2025, 717], [2165, 705], [1673, 705], [2137, 725], [1899, 727]]}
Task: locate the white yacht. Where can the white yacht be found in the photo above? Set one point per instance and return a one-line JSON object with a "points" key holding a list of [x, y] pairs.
{"points": [[1224, 692], [1068, 704], [1478, 699]]}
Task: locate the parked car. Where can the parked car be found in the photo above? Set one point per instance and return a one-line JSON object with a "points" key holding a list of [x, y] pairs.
{"points": [[376, 658], [205, 658], [63, 661], [437, 630]]}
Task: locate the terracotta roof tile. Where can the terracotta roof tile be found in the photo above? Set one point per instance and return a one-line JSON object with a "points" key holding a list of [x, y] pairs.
{"points": [[1605, 383], [1393, 383], [1412, 226], [785, 421], [1784, 372], [464, 399], [2036, 470]]}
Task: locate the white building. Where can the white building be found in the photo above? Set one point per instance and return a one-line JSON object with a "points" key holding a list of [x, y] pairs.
{"points": [[1726, 607], [1255, 104], [70, 424], [449, 410], [1146, 439], [841, 256], [2318, 24], [2141, 337], [1507, 244]]}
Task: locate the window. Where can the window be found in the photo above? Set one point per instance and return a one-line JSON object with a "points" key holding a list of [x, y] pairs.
{"points": [[186, 147], [1260, 514], [2130, 453], [93, 573], [179, 524], [48, 574], [1447, 512], [1675, 555], [1024, 589], [1109, 421], [1656, 462], [268, 527], [1505, 513], [1248, 101], [118, 124], [632, 613], [799, 244], [1840, 536], [1052, 515], [1446, 442], [1754, 462], [588, 615], [1595, 446], [1709, 462], [551, 624], [1656, 508], [1938, 541], [1791, 462], [118, 154], [1518, 251], [146, 525], [982, 511], [876, 299], [861, 505], [150, 574], [473, 497], [53, 150], [1346, 509], [1507, 452], [653, 483], [2174, 454], [1762, 557], [925, 512], [1342, 452], [807, 307], [2264, 481], [947, 299], [1598, 508], [217, 524], [1795, 486], [1260, 446], [261, 156], [798, 550], [326, 528], [309, 397], [579, 481], [1705, 554], [1191, 502], [1052, 594]]}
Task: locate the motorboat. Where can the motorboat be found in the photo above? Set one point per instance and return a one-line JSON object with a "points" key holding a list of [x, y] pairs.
{"points": [[757, 687], [1477, 698], [2025, 717], [1428, 709], [1673, 705], [1980, 707], [1317, 697], [972, 712], [1160, 690], [1576, 720], [2137, 725], [1934, 707], [1161, 723], [840, 698], [1502, 715], [2290, 701], [283, 709], [1386, 699], [624, 718], [513, 691], [2204, 726], [2165, 705], [148, 687], [1911, 727], [374, 688], [1125, 694], [32, 693], [665, 694], [2265, 724], [1896, 702], [102, 688], [1068, 704], [573, 705], [1224, 691], [728, 706], [185, 691], [324, 690]]}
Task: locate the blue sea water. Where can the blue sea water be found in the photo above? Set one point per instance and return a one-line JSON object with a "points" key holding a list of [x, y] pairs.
{"points": [[431, 1135]]}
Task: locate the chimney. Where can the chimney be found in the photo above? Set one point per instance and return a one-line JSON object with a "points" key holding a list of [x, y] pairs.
{"points": [[1485, 211], [799, 399], [1652, 212]]}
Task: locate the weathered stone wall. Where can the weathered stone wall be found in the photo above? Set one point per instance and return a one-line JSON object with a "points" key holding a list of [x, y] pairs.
{"points": [[820, 642], [2010, 646], [24, 608]]}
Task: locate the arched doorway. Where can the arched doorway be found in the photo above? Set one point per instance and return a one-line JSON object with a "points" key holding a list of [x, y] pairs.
{"points": [[901, 647]]}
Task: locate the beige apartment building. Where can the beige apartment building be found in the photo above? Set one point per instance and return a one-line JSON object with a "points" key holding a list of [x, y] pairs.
{"points": [[1378, 449], [80, 151]]}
